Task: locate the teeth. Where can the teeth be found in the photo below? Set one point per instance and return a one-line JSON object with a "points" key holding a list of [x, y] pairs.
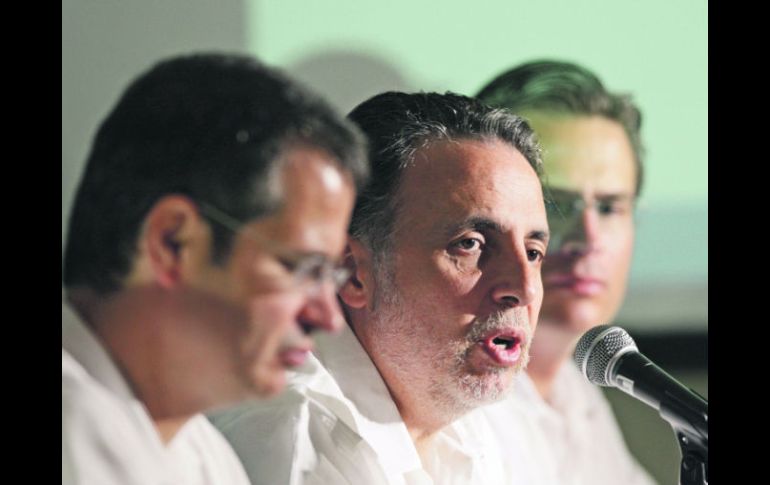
{"points": [[503, 342]]}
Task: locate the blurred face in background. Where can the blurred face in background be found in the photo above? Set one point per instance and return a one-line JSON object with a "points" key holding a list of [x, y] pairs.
{"points": [[276, 286], [591, 175]]}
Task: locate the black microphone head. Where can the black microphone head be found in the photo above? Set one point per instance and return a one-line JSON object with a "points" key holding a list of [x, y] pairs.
{"points": [[596, 351]]}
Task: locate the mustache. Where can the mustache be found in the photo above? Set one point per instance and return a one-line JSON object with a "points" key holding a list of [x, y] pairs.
{"points": [[500, 320]]}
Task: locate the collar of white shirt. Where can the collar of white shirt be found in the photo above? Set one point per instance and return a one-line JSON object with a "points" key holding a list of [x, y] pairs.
{"points": [[79, 341], [461, 452], [376, 418], [86, 362]]}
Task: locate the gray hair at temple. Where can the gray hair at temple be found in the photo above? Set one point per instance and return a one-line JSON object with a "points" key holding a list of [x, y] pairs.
{"points": [[397, 125]]}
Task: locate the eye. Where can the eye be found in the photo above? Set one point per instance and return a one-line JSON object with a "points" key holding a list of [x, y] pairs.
{"points": [[316, 271], [535, 255], [608, 207], [303, 267], [288, 264], [466, 246], [314, 268]]}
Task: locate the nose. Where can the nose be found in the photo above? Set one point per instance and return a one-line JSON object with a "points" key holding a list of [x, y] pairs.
{"points": [[517, 280], [322, 310], [581, 237]]}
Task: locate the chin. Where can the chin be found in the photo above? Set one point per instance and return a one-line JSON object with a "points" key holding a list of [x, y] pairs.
{"points": [[486, 388], [269, 383]]}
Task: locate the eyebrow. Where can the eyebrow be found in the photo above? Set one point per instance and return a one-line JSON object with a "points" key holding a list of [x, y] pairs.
{"points": [[551, 193], [484, 224], [293, 254]]}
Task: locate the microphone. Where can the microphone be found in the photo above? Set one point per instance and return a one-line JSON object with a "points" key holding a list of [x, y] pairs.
{"points": [[608, 356]]}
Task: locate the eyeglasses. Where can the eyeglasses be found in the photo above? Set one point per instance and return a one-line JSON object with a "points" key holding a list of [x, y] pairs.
{"points": [[308, 271], [562, 206], [565, 211]]}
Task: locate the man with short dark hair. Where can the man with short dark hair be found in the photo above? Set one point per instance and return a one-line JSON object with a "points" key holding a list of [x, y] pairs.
{"points": [[593, 164], [445, 250], [201, 254]]}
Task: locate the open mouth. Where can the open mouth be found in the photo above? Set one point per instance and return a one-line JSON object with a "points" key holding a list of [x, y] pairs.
{"points": [[504, 343], [504, 347]]}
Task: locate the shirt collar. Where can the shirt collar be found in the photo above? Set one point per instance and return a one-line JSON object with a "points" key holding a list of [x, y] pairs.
{"points": [[375, 415], [82, 345], [80, 342]]}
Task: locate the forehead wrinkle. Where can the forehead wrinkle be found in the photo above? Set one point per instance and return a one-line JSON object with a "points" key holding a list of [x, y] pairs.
{"points": [[468, 182], [474, 222]]}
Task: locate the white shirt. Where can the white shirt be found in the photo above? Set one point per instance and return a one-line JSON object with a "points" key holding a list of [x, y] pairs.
{"points": [[108, 437], [337, 424], [574, 439]]}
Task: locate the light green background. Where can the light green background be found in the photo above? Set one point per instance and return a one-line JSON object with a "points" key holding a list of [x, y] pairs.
{"points": [[656, 50]]}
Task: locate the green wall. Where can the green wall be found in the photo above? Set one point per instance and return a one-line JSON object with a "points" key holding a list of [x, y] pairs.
{"points": [[656, 50]]}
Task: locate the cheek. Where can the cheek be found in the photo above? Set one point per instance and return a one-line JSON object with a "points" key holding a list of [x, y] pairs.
{"points": [[441, 290], [619, 253], [453, 278], [537, 303], [435, 291], [271, 317]]}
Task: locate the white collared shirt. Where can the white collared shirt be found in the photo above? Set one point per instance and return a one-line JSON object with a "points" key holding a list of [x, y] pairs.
{"points": [[336, 423], [108, 437], [574, 439]]}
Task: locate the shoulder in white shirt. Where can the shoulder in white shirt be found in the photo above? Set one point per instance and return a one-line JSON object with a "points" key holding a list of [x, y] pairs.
{"points": [[337, 423], [572, 440], [109, 437]]}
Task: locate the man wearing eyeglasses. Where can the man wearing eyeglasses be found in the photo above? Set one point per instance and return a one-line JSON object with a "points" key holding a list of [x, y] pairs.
{"points": [[445, 247], [202, 251], [593, 161]]}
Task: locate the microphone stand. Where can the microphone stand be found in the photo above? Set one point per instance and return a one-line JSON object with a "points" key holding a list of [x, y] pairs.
{"points": [[692, 438], [694, 469], [633, 373]]}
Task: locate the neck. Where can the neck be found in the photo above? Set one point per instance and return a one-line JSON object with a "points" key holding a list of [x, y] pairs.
{"points": [[423, 422], [409, 393], [551, 350], [422, 442], [133, 335]]}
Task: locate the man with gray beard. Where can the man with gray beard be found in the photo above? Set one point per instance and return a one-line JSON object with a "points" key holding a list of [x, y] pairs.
{"points": [[445, 250]]}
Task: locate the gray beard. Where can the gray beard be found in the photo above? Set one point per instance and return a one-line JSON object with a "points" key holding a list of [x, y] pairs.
{"points": [[439, 375]]}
